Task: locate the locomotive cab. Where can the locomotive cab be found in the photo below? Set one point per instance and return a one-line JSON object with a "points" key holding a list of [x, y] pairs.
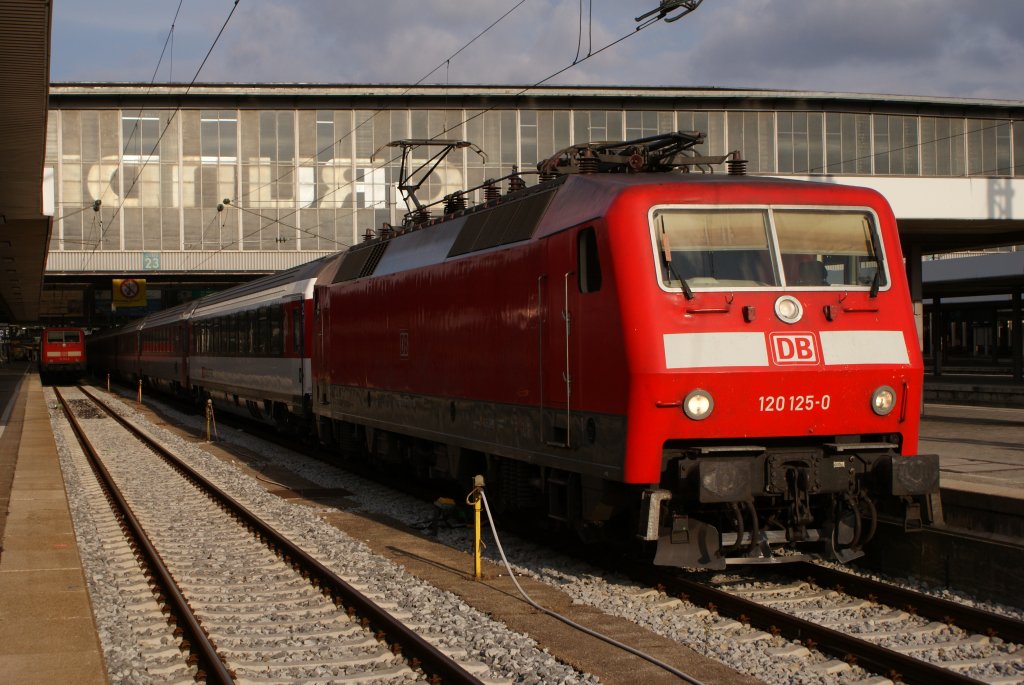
{"points": [[785, 395]]}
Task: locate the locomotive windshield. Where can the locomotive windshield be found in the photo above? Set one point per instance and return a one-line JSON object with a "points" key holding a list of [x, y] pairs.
{"points": [[63, 336], [757, 248]]}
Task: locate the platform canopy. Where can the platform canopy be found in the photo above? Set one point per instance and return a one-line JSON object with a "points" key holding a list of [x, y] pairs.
{"points": [[24, 91]]}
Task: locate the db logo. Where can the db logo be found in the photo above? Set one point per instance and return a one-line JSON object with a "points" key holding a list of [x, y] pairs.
{"points": [[794, 348]]}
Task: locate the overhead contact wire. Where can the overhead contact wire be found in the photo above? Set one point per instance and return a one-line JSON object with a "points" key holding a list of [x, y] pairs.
{"points": [[170, 119], [526, 89]]}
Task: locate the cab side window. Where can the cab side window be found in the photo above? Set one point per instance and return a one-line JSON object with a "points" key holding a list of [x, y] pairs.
{"points": [[588, 266]]}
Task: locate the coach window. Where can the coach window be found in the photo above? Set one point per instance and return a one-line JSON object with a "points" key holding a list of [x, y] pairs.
{"points": [[244, 333], [262, 331], [297, 328], [588, 267], [232, 334], [276, 332], [240, 325]]}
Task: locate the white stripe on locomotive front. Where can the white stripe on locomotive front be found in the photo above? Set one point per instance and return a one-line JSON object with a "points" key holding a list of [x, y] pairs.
{"points": [[714, 350], [863, 347], [704, 350]]}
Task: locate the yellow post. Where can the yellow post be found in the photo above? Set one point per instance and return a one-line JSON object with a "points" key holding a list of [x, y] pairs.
{"points": [[108, 382], [476, 538], [475, 497], [140, 391]]}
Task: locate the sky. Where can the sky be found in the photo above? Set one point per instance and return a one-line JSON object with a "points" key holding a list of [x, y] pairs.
{"points": [[937, 48]]}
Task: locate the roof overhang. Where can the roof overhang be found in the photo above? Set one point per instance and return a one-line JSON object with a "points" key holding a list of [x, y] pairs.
{"points": [[24, 228]]}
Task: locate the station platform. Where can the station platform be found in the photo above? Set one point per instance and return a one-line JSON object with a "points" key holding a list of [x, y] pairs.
{"points": [[47, 631], [974, 389]]}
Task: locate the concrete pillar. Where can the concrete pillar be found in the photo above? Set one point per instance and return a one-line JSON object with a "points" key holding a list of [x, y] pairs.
{"points": [[937, 336], [912, 254], [1017, 338]]}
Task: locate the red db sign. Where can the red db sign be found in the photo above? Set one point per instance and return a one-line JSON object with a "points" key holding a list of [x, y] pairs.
{"points": [[794, 348]]}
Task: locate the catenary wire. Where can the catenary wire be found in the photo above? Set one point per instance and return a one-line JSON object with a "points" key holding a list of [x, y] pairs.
{"points": [[152, 81], [315, 156], [478, 114], [446, 62], [170, 120]]}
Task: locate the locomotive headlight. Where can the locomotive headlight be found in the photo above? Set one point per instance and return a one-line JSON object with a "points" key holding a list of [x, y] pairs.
{"points": [[883, 400], [698, 404], [788, 309]]}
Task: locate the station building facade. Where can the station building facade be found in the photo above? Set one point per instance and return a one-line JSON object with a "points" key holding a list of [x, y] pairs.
{"points": [[191, 188]]}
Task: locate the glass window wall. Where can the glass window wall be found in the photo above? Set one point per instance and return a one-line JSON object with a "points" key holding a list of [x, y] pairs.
{"points": [[942, 147], [711, 124], [305, 180], [753, 134], [801, 142], [597, 125], [896, 145], [847, 143], [1018, 148], [988, 147]]}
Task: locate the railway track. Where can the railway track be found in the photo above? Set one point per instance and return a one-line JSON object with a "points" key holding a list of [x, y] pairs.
{"points": [[902, 635], [906, 638], [249, 605]]}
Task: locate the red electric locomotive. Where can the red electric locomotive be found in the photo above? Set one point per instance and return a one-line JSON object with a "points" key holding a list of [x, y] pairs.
{"points": [[727, 364], [62, 353]]}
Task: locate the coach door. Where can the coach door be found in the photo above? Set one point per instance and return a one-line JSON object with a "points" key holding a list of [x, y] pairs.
{"points": [[560, 362], [297, 337], [321, 326]]}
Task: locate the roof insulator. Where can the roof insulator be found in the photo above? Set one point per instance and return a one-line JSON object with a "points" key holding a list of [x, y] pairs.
{"points": [[736, 165]]}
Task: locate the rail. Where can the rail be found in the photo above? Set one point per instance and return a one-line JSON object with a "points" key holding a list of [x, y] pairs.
{"points": [[419, 652], [211, 666]]}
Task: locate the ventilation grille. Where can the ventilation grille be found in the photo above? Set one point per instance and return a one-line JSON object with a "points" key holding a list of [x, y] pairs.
{"points": [[360, 262], [507, 223]]}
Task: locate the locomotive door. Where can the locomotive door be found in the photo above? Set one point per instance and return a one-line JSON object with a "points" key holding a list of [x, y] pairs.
{"points": [[560, 341]]}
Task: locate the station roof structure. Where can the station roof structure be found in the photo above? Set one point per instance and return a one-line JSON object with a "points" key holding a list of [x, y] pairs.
{"points": [[985, 215], [24, 91]]}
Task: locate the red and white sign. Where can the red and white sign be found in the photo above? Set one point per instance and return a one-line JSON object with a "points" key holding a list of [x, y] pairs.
{"points": [[794, 348]]}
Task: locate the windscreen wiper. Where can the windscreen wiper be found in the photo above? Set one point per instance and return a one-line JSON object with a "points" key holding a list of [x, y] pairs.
{"points": [[666, 255]]}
